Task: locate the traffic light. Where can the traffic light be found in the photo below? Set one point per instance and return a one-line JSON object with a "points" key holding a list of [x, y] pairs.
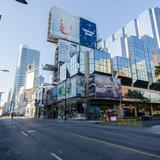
{"points": [[22, 1]]}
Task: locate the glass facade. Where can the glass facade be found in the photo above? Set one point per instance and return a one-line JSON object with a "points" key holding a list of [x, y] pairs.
{"points": [[102, 62], [117, 47], [82, 59], [74, 65], [131, 29], [139, 41], [146, 24], [149, 46], [137, 57], [63, 69], [122, 66], [26, 57]]}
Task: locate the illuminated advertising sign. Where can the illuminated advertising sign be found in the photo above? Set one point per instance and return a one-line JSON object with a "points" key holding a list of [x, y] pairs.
{"points": [[30, 80], [91, 86], [80, 86], [75, 87], [88, 35], [107, 87], [55, 91], [67, 50], [71, 87], [61, 91], [63, 25]]}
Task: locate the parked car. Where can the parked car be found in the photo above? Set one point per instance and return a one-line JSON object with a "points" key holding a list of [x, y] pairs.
{"points": [[145, 117]]}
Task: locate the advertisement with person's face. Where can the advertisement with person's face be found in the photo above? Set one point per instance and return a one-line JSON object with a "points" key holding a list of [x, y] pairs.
{"points": [[64, 25], [107, 87]]}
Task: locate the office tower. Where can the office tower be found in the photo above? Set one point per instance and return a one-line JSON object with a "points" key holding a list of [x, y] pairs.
{"points": [[26, 57], [137, 41]]}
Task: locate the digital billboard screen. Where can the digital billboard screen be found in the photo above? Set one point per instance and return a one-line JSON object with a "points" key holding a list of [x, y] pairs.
{"points": [[80, 86], [63, 25], [91, 86], [55, 91], [88, 33], [67, 50], [61, 91], [107, 87], [71, 87], [30, 79]]}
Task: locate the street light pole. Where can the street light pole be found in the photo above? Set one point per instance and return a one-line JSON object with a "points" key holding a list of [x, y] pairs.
{"points": [[22, 1], [4, 70], [65, 105]]}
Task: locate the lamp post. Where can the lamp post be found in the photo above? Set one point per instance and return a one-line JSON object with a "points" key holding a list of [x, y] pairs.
{"points": [[65, 105], [4, 70], [22, 1]]}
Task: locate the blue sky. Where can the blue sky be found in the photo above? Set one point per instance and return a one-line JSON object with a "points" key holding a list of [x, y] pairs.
{"points": [[23, 24]]}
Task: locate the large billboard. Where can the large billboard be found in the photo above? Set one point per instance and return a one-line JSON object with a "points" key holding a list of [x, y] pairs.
{"points": [[63, 25], [107, 87], [88, 33], [67, 50], [30, 80], [75, 87]]}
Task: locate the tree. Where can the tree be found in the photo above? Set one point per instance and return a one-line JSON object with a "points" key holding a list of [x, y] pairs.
{"points": [[136, 95], [157, 73]]}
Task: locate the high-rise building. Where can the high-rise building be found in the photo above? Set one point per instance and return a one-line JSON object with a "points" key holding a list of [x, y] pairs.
{"points": [[137, 41], [26, 57], [117, 76]]}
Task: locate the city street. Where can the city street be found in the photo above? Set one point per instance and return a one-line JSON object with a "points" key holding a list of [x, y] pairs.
{"points": [[22, 139]]}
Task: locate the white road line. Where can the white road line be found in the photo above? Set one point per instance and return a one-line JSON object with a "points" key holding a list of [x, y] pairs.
{"points": [[31, 131], [55, 156], [24, 133], [13, 126], [119, 135], [117, 145]]}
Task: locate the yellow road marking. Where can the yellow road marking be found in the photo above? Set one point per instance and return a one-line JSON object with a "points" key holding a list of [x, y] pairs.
{"points": [[116, 145]]}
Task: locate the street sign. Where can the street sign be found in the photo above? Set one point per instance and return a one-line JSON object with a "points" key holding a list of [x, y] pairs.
{"points": [[84, 105]]}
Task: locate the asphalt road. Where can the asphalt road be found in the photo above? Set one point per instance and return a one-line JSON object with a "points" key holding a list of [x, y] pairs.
{"points": [[22, 139]]}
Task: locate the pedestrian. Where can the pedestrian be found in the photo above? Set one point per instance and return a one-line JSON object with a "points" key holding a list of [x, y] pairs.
{"points": [[12, 115]]}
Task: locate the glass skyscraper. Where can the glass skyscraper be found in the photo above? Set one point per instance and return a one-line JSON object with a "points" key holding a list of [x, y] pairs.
{"points": [[26, 57], [139, 41]]}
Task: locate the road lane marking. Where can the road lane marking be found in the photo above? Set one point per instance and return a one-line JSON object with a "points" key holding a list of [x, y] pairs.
{"points": [[24, 133], [118, 134], [31, 131], [13, 126], [116, 145], [55, 156]]}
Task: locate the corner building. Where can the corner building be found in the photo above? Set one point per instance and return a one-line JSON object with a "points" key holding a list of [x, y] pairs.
{"points": [[91, 81]]}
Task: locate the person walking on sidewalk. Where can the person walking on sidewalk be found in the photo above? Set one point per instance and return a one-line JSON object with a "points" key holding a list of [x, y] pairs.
{"points": [[12, 115]]}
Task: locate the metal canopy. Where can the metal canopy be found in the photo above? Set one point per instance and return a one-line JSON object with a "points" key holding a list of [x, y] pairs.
{"points": [[49, 67]]}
